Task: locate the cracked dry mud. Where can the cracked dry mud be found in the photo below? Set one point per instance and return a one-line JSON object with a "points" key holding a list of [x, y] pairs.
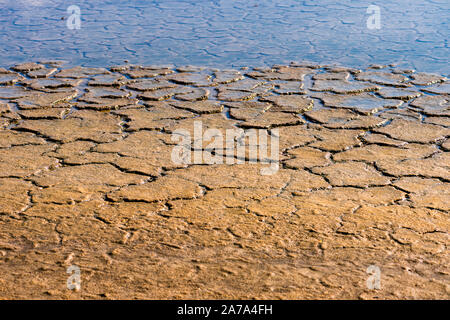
{"points": [[86, 179]]}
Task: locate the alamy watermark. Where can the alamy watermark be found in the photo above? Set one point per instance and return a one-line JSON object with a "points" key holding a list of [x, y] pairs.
{"points": [[374, 20], [74, 280], [231, 149], [74, 20], [373, 282]]}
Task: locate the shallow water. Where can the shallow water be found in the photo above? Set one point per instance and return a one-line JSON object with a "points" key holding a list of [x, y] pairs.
{"points": [[225, 33]]}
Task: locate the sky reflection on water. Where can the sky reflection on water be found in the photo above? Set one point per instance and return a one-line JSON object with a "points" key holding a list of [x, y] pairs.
{"points": [[226, 33]]}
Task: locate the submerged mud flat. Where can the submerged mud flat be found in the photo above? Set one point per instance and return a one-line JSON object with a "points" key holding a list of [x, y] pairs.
{"points": [[87, 179], [222, 33]]}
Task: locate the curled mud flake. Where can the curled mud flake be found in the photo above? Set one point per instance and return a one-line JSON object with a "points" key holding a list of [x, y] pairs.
{"points": [[164, 94], [27, 66], [362, 122], [110, 104], [9, 79], [190, 69], [431, 193], [306, 157], [91, 158], [249, 105], [120, 68], [155, 118], [439, 89], [394, 93], [101, 129], [72, 148], [269, 120], [289, 103], [227, 76], [343, 119], [149, 85], [107, 81], [412, 131], [137, 73], [440, 121], [54, 63], [14, 92], [432, 167], [46, 100], [242, 85], [363, 103], [338, 69], [234, 95], [290, 87], [294, 136], [194, 79], [342, 86], [403, 71], [100, 103], [380, 139], [157, 67], [200, 107], [52, 84], [405, 114], [281, 73], [15, 138], [42, 73], [331, 76], [53, 113], [80, 72], [426, 79], [384, 78], [196, 95], [99, 92], [336, 140], [303, 64], [377, 66], [136, 165], [432, 105], [247, 110], [264, 88]]}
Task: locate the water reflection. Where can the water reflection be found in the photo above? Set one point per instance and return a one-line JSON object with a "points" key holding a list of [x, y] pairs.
{"points": [[227, 33]]}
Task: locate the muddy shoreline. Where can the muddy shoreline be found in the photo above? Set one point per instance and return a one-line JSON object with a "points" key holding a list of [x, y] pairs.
{"points": [[87, 179]]}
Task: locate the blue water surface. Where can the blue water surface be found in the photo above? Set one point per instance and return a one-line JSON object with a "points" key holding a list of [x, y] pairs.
{"points": [[227, 33]]}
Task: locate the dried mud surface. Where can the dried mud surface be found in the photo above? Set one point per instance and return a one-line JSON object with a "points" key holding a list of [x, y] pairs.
{"points": [[86, 179]]}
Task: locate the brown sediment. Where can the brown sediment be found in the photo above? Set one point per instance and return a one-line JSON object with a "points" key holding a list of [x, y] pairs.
{"points": [[87, 179]]}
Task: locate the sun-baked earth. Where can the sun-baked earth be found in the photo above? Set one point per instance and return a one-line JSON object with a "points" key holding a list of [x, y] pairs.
{"points": [[86, 179]]}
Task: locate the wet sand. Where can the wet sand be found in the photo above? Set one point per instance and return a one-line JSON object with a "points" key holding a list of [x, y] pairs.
{"points": [[87, 179]]}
